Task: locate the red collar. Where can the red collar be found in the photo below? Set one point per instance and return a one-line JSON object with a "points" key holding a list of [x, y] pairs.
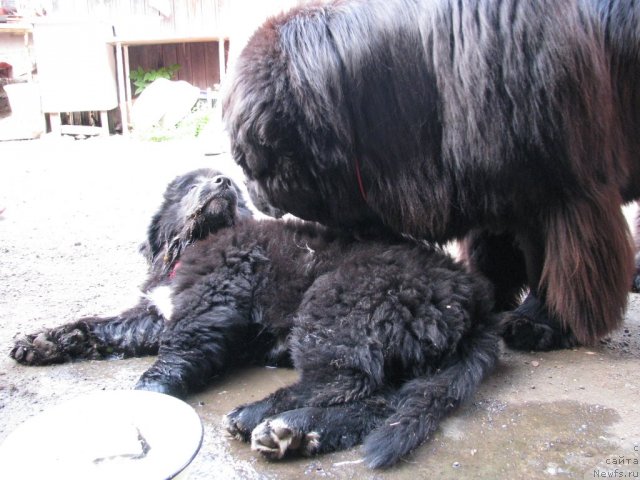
{"points": [[172, 273], [359, 177]]}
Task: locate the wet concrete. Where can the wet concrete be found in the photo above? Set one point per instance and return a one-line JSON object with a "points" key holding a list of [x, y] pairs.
{"points": [[75, 214]]}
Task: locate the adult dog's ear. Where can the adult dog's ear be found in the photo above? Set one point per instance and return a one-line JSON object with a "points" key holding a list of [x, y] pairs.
{"points": [[260, 201]]}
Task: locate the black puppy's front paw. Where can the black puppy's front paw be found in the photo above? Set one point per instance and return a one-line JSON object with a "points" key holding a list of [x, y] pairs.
{"points": [[275, 437], [37, 349], [241, 421], [161, 385], [50, 346], [233, 423]]}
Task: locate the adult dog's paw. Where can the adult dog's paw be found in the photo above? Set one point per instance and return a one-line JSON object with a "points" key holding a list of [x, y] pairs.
{"points": [[274, 438], [523, 333], [44, 348], [532, 327]]}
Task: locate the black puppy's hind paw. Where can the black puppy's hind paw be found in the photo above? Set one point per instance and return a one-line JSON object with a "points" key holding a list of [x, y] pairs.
{"points": [[274, 438]]}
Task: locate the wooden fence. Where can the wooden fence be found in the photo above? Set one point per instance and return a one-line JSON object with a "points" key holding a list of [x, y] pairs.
{"points": [[198, 61], [161, 18], [177, 17]]}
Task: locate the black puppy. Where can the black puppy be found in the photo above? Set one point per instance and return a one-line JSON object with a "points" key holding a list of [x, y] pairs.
{"points": [[194, 205], [388, 335]]}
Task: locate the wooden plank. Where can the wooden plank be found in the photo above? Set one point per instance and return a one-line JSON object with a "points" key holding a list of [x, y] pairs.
{"points": [[184, 59], [208, 15], [85, 130], [54, 120], [164, 39], [193, 13], [180, 15], [188, 15], [211, 65], [135, 57], [123, 91], [137, 7], [16, 28], [150, 57], [170, 55], [198, 73], [104, 123], [226, 55], [127, 80]]}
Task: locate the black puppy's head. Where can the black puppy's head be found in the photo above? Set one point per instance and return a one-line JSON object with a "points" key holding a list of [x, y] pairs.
{"points": [[195, 204]]}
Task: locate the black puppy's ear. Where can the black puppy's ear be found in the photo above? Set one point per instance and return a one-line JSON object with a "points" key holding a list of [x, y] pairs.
{"points": [[145, 250], [153, 246]]}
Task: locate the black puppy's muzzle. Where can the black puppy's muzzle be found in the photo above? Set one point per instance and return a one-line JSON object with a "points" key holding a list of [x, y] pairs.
{"points": [[214, 187]]}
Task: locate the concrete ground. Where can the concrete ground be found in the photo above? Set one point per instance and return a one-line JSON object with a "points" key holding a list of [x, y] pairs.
{"points": [[75, 214]]}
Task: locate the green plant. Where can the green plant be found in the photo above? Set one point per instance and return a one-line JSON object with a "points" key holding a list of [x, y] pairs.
{"points": [[142, 78], [202, 121]]}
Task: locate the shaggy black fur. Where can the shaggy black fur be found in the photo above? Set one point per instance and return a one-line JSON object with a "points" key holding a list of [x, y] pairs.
{"points": [[194, 205], [388, 335], [515, 122]]}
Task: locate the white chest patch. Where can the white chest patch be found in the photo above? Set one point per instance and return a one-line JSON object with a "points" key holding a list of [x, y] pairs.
{"points": [[160, 297]]}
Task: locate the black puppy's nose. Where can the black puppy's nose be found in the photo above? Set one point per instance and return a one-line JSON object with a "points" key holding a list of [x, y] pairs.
{"points": [[221, 181]]}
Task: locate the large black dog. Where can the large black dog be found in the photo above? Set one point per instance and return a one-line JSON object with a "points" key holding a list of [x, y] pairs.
{"points": [[388, 335], [515, 124]]}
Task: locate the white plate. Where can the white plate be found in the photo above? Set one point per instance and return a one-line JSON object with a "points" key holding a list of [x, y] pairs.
{"points": [[129, 434]]}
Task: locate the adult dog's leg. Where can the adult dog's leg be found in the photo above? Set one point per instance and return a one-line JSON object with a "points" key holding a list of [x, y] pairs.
{"points": [[134, 332], [531, 326], [497, 257], [587, 259], [635, 284], [511, 263], [635, 287]]}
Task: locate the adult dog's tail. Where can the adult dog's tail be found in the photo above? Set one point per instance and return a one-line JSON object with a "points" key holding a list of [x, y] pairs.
{"points": [[421, 403]]}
